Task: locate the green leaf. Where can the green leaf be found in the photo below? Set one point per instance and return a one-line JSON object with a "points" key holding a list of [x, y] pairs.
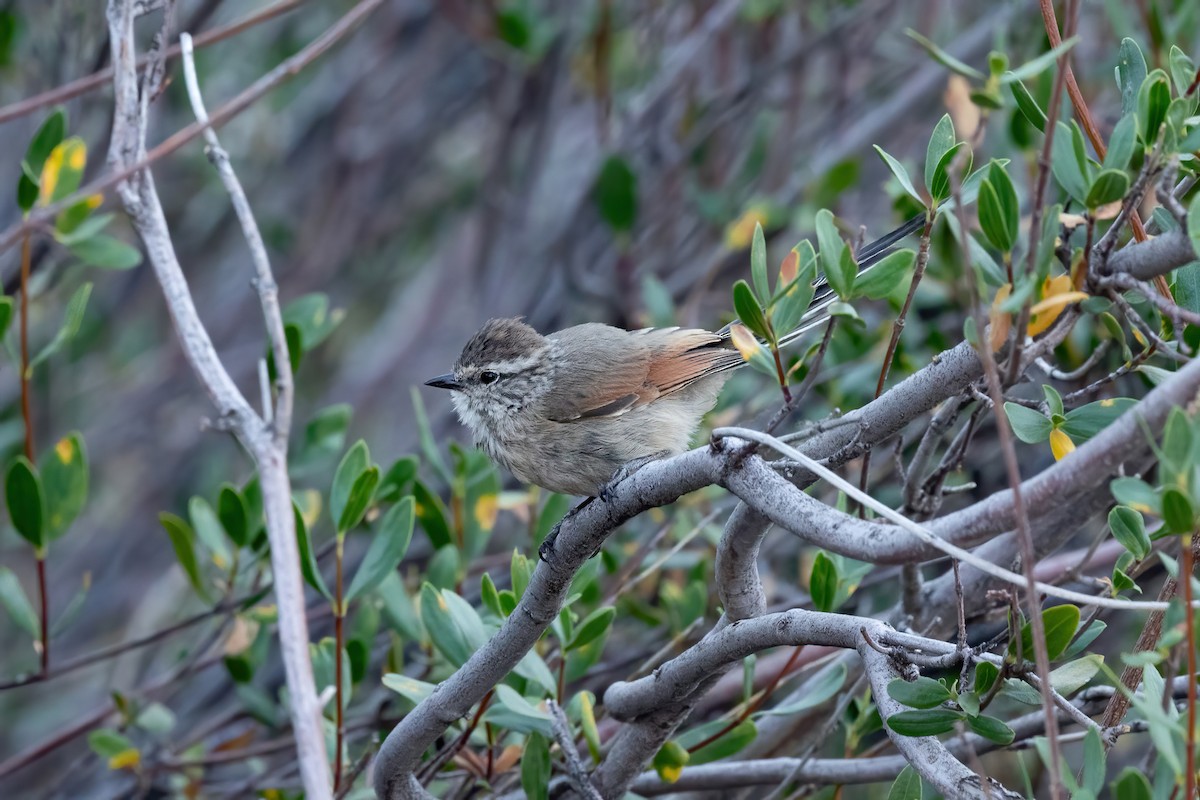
{"points": [[78, 223], [354, 464], [393, 483], [1039, 64], [1183, 70], [594, 626], [615, 194], [453, 626], [823, 583], [311, 316], [1131, 72], [6, 314], [821, 689], [26, 502], [183, 541], [985, 676], [48, 136], [1060, 623], [829, 241], [790, 304], [358, 500], [109, 744], [670, 760], [64, 474], [410, 689], [510, 710], [758, 265], [921, 693], [63, 171], [1137, 494], [841, 280], [901, 174], [944, 58], [1153, 99], [941, 141], [1093, 763], [926, 722], [14, 600], [1065, 165], [387, 549], [1026, 104], [1074, 675], [106, 252], [433, 516], [429, 444], [231, 511], [940, 188], [1108, 187], [1121, 144], [881, 279], [1088, 420], [992, 729], [1129, 529], [1178, 514], [72, 319], [748, 310], [1178, 442], [308, 561], [1131, 784], [535, 767], [907, 785], [732, 742], [1008, 206], [1028, 425]]}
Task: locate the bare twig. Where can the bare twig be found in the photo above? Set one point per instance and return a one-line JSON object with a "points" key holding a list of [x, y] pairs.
{"points": [[577, 773]]}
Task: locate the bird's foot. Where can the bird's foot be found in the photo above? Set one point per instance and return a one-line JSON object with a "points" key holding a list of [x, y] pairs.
{"points": [[547, 545], [625, 471]]}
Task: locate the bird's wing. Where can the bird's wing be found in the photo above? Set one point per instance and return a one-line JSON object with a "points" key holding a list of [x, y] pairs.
{"points": [[612, 371]]}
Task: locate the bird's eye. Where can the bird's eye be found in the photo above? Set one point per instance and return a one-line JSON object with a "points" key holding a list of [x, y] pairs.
{"points": [[488, 376]]}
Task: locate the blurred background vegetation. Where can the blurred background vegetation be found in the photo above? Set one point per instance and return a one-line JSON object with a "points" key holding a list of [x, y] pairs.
{"points": [[454, 161]]}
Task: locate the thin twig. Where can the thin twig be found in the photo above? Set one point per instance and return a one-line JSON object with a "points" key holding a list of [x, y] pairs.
{"points": [[99, 78], [577, 773]]}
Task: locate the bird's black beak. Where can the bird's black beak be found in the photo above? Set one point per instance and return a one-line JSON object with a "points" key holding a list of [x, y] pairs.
{"points": [[446, 381]]}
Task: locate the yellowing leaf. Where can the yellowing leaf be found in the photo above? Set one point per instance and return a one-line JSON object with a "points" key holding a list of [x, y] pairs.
{"points": [[1108, 211], [65, 450], [1057, 294], [486, 509], [310, 506], [743, 340], [71, 154], [126, 759], [740, 232], [1072, 220], [670, 773], [999, 321], [1060, 444]]}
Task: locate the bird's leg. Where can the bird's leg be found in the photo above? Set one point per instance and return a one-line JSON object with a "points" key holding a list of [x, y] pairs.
{"points": [[547, 544], [626, 470]]}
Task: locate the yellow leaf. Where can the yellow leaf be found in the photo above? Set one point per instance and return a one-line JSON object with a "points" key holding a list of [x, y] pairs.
{"points": [[743, 340], [671, 773], [1060, 444], [71, 154], [1057, 294], [126, 759], [1137, 335], [999, 321], [310, 507], [65, 450], [486, 508], [740, 232]]}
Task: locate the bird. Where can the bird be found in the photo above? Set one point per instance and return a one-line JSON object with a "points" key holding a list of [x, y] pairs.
{"points": [[577, 410]]}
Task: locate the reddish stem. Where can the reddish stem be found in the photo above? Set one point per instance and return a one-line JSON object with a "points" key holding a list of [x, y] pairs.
{"points": [[27, 418]]}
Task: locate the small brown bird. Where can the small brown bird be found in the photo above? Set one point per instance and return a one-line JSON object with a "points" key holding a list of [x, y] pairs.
{"points": [[566, 411]]}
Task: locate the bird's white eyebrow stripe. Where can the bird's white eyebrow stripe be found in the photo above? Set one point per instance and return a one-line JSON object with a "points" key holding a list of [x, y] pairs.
{"points": [[516, 364]]}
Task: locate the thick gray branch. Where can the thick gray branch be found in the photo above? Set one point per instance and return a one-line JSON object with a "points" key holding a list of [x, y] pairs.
{"points": [[1158, 256]]}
